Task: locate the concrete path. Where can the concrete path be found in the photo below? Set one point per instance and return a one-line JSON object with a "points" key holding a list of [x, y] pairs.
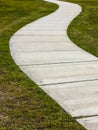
{"points": [[67, 73]]}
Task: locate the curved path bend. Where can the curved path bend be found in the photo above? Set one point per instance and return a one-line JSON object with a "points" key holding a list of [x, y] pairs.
{"points": [[64, 71]]}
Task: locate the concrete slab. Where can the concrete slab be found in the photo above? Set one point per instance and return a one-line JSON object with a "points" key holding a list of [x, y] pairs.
{"points": [[47, 57], [78, 98], [62, 73], [43, 28], [43, 46], [40, 33], [90, 123], [83, 107], [25, 39]]}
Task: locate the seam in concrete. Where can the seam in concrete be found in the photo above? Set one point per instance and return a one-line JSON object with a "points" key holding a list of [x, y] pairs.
{"points": [[58, 63], [89, 80]]}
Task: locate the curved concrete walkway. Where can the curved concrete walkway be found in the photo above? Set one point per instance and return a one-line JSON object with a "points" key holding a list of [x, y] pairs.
{"points": [[67, 73]]}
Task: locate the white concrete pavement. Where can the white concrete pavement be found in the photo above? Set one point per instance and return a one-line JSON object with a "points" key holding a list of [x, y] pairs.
{"points": [[64, 71]]}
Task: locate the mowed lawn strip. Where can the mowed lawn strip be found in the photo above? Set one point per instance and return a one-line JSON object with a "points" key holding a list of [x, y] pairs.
{"points": [[83, 30], [23, 105]]}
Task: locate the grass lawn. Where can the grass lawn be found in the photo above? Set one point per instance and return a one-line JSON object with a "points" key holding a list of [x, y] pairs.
{"points": [[23, 105], [84, 29]]}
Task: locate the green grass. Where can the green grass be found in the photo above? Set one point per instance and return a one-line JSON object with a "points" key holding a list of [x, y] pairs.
{"points": [[23, 105], [84, 29]]}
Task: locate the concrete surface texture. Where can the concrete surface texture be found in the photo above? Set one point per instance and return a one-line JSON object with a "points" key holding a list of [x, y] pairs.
{"points": [[64, 71]]}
